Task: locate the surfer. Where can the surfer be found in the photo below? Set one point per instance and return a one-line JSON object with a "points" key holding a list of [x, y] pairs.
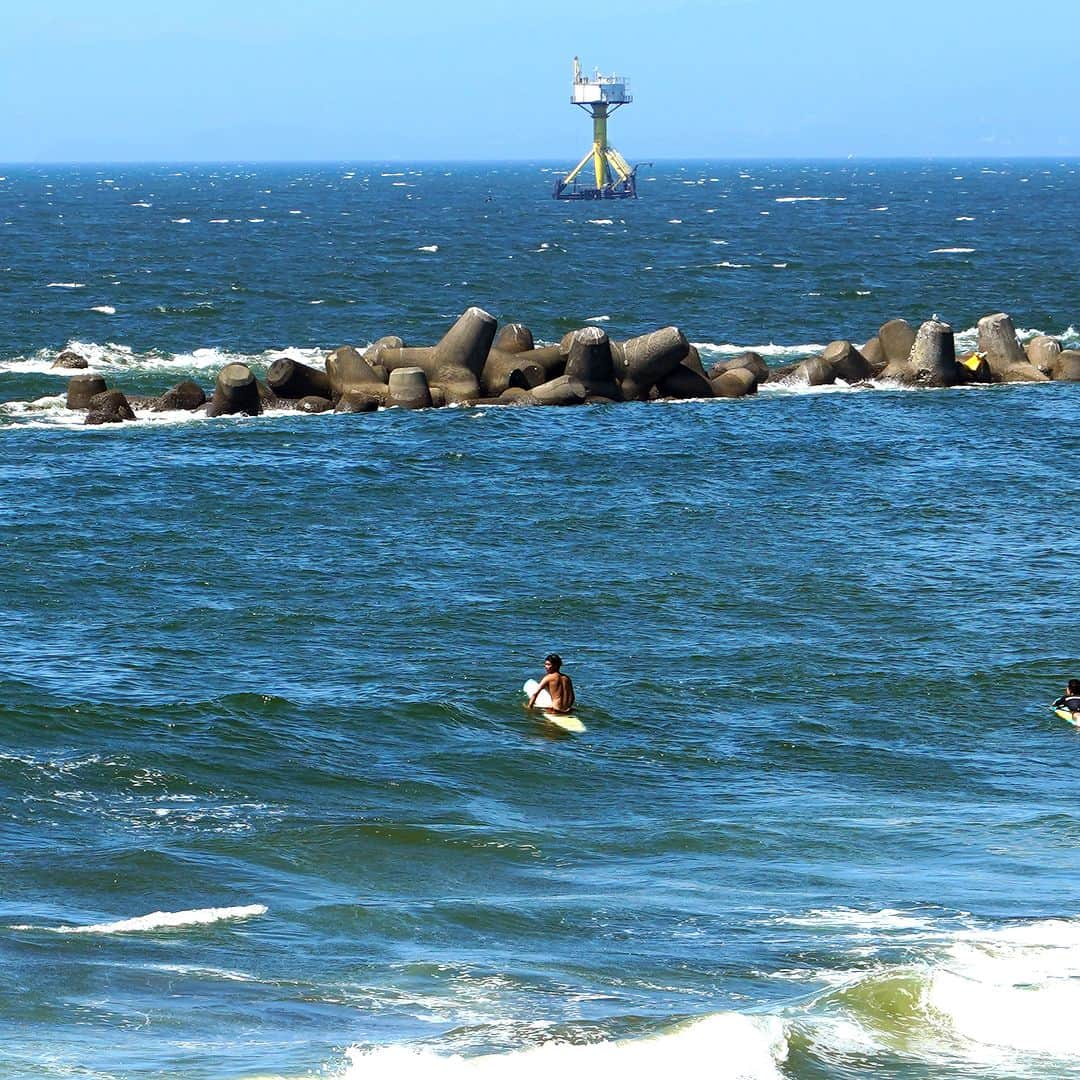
{"points": [[556, 684], [1069, 700]]}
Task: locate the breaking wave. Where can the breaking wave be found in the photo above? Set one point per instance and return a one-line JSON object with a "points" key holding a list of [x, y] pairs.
{"points": [[727, 1046]]}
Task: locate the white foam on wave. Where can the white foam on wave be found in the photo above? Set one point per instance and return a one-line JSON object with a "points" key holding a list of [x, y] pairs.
{"points": [[599, 318], [1069, 338], [181, 221], [965, 219], [968, 339], [784, 352], [600, 221], [985, 998], [878, 209], [429, 247], [50, 413], [111, 355], [65, 285], [952, 251], [811, 198], [727, 1046], [1015, 989], [858, 921], [159, 920], [104, 309], [790, 387], [214, 358]]}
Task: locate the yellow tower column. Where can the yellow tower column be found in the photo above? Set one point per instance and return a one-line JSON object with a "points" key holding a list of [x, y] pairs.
{"points": [[600, 146]]}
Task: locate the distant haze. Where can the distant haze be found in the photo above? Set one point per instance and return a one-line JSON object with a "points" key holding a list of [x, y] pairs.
{"points": [[489, 79]]}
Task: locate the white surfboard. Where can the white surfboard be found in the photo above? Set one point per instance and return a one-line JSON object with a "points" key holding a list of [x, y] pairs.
{"points": [[1064, 714], [560, 720]]}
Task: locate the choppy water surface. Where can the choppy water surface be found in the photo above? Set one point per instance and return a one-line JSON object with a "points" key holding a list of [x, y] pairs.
{"points": [[269, 804]]}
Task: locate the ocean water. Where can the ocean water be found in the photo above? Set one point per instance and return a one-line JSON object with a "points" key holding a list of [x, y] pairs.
{"points": [[269, 803]]}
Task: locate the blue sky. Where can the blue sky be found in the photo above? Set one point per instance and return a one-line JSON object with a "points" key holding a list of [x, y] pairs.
{"points": [[488, 79]]}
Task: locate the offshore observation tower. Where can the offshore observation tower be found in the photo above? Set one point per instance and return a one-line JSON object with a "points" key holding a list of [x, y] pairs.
{"points": [[613, 178]]}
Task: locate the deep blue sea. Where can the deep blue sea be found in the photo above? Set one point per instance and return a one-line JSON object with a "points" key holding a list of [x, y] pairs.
{"points": [[270, 806]]}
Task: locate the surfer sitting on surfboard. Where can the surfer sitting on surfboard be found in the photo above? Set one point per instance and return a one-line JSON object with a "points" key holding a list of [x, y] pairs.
{"points": [[556, 684], [1070, 700]]}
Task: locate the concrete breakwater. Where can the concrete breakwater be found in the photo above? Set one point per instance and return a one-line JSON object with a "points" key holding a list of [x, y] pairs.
{"points": [[475, 363]]}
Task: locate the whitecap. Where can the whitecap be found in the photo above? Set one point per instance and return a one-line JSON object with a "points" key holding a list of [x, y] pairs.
{"points": [[159, 920], [219, 221], [675, 221], [725, 1046], [878, 209], [965, 219], [429, 247], [952, 251], [599, 318], [811, 198], [181, 221], [599, 221], [65, 285], [145, 205], [104, 309]]}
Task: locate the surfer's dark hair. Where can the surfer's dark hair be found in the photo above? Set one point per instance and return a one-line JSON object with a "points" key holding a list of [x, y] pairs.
{"points": [[1073, 687], [555, 659]]}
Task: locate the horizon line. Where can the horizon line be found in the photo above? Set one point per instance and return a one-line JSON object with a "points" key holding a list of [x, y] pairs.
{"points": [[735, 159]]}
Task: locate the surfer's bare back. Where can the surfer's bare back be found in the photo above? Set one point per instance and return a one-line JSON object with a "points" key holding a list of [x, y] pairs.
{"points": [[558, 685]]}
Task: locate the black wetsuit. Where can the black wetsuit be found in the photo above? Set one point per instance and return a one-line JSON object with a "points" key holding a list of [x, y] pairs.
{"points": [[1069, 701]]}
